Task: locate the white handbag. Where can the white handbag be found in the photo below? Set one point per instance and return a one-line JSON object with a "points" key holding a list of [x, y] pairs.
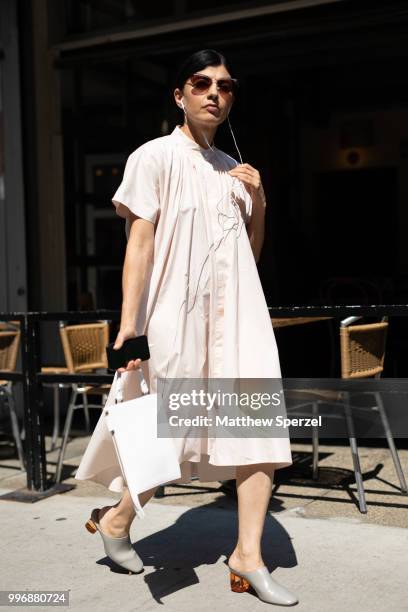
{"points": [[145, 459]]}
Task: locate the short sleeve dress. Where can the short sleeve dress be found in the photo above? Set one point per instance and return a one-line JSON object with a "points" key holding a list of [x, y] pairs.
{"points": [[203, 307]]}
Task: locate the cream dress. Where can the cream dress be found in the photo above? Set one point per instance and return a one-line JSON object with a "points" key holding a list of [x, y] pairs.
{"points": [[203, 308]]}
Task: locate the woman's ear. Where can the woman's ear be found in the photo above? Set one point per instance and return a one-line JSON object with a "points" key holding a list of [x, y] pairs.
{"points": [[178, 96]]}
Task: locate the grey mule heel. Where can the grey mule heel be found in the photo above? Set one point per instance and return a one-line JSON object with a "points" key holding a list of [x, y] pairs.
{"points": [[266, 587], [120, 550]]}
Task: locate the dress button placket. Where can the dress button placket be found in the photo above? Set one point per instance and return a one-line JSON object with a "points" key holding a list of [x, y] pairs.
{"points": [[220, 289], [216, 338]]}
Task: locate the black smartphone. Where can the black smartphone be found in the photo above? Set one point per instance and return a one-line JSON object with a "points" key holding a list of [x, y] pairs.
{"points": [[133, 348]]}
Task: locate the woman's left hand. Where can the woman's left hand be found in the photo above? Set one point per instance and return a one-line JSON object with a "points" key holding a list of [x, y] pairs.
{"points": [[251, 179]]}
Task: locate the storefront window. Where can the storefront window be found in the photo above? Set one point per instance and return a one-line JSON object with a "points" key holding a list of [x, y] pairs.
{"points": [[2, 195]]}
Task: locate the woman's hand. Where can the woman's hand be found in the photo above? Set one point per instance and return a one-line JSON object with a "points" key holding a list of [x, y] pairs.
{"points": [[251, 179], [126, 334]]}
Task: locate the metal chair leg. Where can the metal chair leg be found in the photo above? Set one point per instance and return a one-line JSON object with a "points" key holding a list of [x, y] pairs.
{"points": [[15, 428], [390, 440], [315, 440], [56, 416], [67, 429], [356, 459], [86, 412]]}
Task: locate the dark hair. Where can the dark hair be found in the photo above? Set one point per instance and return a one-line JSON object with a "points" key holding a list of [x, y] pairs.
{"points": [[196, 62]]}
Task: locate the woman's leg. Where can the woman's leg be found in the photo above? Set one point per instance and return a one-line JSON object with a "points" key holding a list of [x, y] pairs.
{"points": [[116, 520], [254, 488]]}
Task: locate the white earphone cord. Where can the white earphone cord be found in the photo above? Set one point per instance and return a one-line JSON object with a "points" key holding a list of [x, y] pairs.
{"points": [[205, 137]]}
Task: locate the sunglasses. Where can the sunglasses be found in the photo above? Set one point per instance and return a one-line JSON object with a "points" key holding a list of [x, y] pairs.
{"points": [[202, 83]]}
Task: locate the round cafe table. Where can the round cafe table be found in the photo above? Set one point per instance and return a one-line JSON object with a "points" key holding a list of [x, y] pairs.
{"points": [[287, 321]]}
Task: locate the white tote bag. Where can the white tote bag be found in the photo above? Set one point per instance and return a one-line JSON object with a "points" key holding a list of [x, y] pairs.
{"points": [[145, 459]]}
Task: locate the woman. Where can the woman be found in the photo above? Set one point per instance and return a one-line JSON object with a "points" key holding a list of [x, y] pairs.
{"points": [[195, 228]]}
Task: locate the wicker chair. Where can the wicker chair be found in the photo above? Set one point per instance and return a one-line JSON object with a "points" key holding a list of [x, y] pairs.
{"points": [[84, 351], [362, 349], [9, 345]]}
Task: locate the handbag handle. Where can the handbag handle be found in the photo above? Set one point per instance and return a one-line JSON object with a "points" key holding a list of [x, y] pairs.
{"points": [[119, 385]]}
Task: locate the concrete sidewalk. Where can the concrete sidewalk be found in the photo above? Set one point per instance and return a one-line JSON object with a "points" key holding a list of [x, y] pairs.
{"points": [[316, 542], [331, 564]]}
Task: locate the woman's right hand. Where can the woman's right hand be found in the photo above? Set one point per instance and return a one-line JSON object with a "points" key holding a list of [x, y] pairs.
{"points": [[126, 334]]}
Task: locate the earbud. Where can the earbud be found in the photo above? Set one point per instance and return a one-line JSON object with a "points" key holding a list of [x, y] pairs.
{"points": [[182, 105]]}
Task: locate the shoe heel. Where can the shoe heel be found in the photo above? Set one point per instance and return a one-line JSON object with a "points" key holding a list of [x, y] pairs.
{"points": [[238, 584], [91, 527]]}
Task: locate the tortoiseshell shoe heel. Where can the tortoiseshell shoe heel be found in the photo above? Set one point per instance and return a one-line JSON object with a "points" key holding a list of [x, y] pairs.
{"points": [[120, 550], [238, 584], [264, 585]]}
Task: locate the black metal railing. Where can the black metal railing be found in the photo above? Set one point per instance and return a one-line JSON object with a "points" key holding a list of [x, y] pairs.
{"points": [[32, 378]]}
